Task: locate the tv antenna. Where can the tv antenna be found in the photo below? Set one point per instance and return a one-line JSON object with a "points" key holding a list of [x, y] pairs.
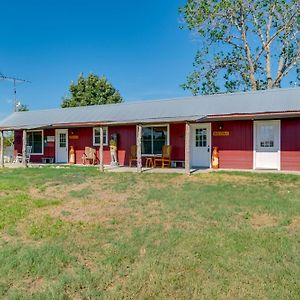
{"points": [[15, 80]]}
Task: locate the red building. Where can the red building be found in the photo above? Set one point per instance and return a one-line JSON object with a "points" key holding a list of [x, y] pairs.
{"points": [[253, 130]]}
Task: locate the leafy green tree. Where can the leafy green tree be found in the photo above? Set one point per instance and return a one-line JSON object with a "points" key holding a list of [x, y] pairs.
{"points": [[9, 138], [245, 44], [92, 90], [22, 107]]}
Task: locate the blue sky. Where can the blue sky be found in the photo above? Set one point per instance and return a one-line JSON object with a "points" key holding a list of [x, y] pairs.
{"points": [[137, 44]]}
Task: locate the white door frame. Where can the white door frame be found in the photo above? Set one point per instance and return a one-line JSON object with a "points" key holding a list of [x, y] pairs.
{"points": [[255, 123], [57, 131], [193, 126]]}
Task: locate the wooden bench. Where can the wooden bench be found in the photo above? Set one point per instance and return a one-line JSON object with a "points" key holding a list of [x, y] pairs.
{"points": [[47, 160], [175, 163]]}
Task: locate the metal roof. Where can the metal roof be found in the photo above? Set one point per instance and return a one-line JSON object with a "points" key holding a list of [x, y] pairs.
{"points": [[169, 110]]}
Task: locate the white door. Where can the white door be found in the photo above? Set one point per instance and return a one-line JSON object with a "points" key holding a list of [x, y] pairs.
{"points": [[200, 145], [61, 146], [267, 145]]}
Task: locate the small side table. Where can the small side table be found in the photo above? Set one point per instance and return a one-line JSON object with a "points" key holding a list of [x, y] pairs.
{"points": [[175, 163], [47, 160], [149, 162]]}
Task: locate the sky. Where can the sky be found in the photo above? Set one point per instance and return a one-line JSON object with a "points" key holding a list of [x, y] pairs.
{"points": [[137, 45]]}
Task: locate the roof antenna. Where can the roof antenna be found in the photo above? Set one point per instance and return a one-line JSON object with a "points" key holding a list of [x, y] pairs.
{"points": [[15, 81]]}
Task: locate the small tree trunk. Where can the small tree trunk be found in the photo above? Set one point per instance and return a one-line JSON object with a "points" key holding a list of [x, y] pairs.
{"points": [[268, 68]]}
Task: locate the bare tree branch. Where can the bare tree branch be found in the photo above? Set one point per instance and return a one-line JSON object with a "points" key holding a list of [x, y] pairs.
{"points": [[268, 51], [285, 70], [272, 38], [248, 52]]}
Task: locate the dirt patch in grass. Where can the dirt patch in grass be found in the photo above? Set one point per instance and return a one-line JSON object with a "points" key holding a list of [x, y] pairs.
{"points": [[3, 194], [101, 206], [167, 226], [177, 181], [105, 207], [295, 224], [94, 189], [6, 238], [263, 220], [213, 178], [37, 285]]}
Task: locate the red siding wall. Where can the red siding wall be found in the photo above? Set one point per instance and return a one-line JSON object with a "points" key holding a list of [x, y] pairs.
{"points": [[177, 136], [49, 148], [290, 144], [236, 150], [126, 138]]}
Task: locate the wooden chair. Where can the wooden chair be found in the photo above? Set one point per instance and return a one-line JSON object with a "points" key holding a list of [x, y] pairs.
{"points": [[19, 156], [133, 155], [165, 159], [89, 155]]}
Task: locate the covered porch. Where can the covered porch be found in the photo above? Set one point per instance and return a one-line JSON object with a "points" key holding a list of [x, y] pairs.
{"points": [[178, 137]]}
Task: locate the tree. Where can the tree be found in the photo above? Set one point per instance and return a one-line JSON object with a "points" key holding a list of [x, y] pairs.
{"points": [[22, 107], [246, 44], [9, 138], [92, 90]]}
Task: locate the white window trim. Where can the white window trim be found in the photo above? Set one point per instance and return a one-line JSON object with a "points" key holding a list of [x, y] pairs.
{"points": [[38, 130], [96, 144], [157, 125]]}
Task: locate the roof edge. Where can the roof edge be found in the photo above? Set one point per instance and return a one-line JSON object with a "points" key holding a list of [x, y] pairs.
{"points": [[129, 102]]}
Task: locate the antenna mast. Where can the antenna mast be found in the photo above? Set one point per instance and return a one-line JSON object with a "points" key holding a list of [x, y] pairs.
{"points": [[15, 81]]}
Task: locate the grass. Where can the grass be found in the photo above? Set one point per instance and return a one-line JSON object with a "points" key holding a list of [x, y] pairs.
{"points": [[76, 234]]}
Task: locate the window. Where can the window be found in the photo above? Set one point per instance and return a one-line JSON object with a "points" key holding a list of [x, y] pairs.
{"points": [[267, 136], [62, 140], [35, 140], [96, 136], [153, 139], [201, 137]]}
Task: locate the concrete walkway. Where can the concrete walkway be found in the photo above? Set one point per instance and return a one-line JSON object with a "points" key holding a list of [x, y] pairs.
{"points": [[108, 168], [126, 169], [155, 170], [193, 171]]}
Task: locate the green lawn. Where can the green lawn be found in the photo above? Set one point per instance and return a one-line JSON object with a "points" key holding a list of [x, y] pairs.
{"points": [[77, 234]]}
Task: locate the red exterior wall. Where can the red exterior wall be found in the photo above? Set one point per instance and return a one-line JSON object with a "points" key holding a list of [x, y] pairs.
{"points": [[236, 150], [290, 144], [177, 136], [126, 138], [49, 148]]}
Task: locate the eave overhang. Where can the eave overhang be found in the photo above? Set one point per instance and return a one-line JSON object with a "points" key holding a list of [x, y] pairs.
{"points": [[252, 116]]}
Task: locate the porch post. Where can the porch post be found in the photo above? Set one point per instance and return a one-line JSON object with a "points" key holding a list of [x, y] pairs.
{"points": [[101, 167], [24, 160], [139, 148], [1, 149], [187, 148]]}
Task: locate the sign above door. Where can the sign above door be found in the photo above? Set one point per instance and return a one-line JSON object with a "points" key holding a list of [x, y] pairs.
{"points": [[221, 133]]}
